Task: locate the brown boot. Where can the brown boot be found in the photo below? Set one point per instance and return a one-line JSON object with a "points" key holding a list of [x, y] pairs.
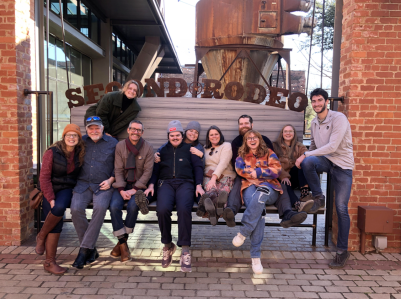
{"points": [[116, 250], [125, 254], [50, 222], [50, 264]]}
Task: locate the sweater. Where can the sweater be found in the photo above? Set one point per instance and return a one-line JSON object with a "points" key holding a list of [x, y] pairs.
{"points": [[143, 166], [286, 161], [332, 139], [220, 161]]}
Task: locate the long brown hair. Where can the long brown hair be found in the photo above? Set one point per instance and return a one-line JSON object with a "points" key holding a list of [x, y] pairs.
{"points": [[244, 149], [80, 147], [279, 143]]}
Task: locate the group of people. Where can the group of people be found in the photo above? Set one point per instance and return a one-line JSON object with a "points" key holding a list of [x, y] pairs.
{"points": [[220, 176]]}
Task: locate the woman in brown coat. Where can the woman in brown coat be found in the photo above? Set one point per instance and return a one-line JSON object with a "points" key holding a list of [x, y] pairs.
{"points": [[288, 150]]}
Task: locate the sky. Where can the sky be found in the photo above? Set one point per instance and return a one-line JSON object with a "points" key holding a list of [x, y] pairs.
{"points": [[180, 20]]}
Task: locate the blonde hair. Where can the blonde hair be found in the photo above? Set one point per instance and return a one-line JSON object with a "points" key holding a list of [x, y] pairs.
{"points": [[127, 84], [244, 149]]}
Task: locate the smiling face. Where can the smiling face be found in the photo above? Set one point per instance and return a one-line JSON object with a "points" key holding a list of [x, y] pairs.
{"points": [[244, 125], [191, 135], [214, 137], [319, 104], [131, 91], [288, 133], [135, 132], [252, 141], [95, 132], [175, 138], [71, 138]]}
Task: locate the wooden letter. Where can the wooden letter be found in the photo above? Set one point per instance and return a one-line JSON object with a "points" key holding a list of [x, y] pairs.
{"points": [[80, 101], [210, 91], [234, 91], [92, 94], [297, 101], [153, 87], [252, 91], [274, 98], [109, 87], [172, 88]]}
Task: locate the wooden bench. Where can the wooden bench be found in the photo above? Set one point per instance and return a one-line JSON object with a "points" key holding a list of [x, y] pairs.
{"points": [[158, 112]]}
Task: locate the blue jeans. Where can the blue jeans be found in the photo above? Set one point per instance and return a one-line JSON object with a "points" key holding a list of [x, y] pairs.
{"points": [[253, 223], [342, 182], [61, 203], [121, 227]]}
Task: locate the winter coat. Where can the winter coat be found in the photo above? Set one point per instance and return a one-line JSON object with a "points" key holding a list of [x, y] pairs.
{"points": [[285, 160]]}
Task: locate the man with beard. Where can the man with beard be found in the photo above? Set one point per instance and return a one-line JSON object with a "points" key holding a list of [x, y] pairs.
{"points": [[331, 152], [117, 109], [133, 168], [94, 184], [177, 174]]}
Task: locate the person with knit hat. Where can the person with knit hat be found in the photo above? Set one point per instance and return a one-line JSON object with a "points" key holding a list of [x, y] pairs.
{"points": [[61, 165], [117, 109], [176, 176]]}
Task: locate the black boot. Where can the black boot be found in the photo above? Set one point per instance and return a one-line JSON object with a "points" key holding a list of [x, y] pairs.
{"points": [[93, 255], [82, 257], [319, 202], [293, 218]]}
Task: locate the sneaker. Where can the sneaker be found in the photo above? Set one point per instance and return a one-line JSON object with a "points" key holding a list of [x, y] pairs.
{"points": [[185, 262], [238, 240], [168, 255], [306, 206], [293, 218], [319, 202], [221, 201], [257, 267], [229, 217], [339, 260], [142, 202], [211, 209]]}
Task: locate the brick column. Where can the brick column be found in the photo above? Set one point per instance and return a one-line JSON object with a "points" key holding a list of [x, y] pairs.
{"points": [[16, 21], [370, 80]]}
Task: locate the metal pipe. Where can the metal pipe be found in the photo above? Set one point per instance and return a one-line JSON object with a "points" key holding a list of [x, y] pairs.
{"points": [[49, 103], [338, 26], [310, 48], [321, 50]]}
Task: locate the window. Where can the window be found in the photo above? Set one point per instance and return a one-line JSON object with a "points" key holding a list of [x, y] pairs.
{"points": [[122, 52]]}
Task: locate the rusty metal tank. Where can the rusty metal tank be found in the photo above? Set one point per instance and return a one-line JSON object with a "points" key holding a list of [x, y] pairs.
{"points": [[244, 22]]}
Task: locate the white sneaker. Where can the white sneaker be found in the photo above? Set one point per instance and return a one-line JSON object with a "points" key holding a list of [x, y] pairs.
{"points": [[257, 266], [238, 240]]}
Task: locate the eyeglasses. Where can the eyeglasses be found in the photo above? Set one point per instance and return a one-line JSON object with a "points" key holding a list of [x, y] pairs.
{"points": [[93, 118], [71, 136], [252, 138], [135, 130], [211, 151], [288, 132]]}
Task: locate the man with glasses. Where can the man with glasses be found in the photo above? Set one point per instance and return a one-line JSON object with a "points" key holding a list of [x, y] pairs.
{"points": [[93, 185], [176, 177], [133, 167], [331, 151]]}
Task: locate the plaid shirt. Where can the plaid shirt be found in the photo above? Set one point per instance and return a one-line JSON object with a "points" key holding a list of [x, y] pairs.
{"points": [[268, 169]]}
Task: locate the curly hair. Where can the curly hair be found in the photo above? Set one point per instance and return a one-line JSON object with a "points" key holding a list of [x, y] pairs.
{"points": [[244, 149], [280, 142], [80, 148]]}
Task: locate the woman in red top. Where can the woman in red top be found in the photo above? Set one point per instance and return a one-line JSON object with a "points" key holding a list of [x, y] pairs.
{"points": [[60, 168]]}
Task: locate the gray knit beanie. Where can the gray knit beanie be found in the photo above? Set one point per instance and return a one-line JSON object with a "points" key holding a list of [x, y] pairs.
{"points": [[175, 126], [193, 125]]}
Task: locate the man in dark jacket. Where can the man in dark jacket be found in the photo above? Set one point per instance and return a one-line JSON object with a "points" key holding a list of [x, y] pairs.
{"points": [[117, 109], [176, 175]]}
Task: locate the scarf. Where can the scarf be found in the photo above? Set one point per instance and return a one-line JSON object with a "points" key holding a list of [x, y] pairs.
{"points": [[133, 151]]}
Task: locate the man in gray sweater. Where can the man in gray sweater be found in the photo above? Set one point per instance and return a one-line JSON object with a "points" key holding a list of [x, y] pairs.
{"points": [[330, 151]]}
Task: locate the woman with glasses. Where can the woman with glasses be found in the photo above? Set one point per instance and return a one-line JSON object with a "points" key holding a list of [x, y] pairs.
{"points": [[259, 167], [289, 149], [60, 168], [117, 109], [218, 176]]}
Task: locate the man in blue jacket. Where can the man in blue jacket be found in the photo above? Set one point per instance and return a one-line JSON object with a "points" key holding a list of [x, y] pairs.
{"points": [[176, 176]]}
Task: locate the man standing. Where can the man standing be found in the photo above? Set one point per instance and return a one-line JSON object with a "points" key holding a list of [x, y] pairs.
{"points": [[94, 184], [133, 167], [330, 151], [245, 123], [176, 176]]}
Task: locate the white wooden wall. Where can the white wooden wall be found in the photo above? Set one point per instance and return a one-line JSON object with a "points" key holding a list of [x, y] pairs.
{"points": [[158, 112]]}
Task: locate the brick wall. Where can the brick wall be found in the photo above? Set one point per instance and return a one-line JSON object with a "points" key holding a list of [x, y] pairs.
{"points": [[16, 21], [370, 80]]}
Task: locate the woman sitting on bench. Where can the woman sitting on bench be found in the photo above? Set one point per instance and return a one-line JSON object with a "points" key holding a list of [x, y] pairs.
{"points": [[288, 150], [260, 168], [218, 177]]}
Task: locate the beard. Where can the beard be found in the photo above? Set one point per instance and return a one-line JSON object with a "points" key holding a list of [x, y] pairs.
{"points": [[322, 110], [244, 130], [95, 137]]}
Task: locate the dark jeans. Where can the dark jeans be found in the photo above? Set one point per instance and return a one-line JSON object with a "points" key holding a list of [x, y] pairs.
{"points": [[342, 182], [61, 203], [297, 180], [234, 197], [179, 193], [283, 203]]}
